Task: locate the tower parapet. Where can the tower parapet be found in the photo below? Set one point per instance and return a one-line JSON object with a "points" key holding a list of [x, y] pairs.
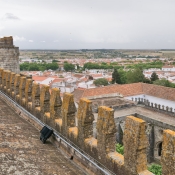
{"points": [[6, 42]]}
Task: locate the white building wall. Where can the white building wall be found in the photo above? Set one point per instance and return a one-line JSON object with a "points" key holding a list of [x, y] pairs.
{"points": [[168, 69]]}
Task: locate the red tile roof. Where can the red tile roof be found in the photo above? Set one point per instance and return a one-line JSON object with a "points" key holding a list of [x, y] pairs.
{"points": [[96, 75], [128, 90], [125, 90], [159, 91], [78, 93], [39, 78], [78, 75], [167, 66]]}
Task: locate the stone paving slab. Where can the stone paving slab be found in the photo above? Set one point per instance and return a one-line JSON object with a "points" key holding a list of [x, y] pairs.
{"points": [[22, 153]]}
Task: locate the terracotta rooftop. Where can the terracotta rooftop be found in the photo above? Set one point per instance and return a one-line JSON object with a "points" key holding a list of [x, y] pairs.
{"points": [[78, 93], [21, 151], [96, 75], [39, 78], [128, 90], [167, 66], [78, 75]]}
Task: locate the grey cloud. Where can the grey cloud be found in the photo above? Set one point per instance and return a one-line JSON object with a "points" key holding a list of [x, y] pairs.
{"points": [[10, 16]]}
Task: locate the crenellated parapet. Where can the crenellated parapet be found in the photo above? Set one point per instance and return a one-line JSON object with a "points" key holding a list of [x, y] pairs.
{"points": [[85, 121], [168, 152], [27, 98], [6, 42], [106, 131], [22, 86], [35, 104], [54, 115], [44, 101], [135, 140], [15, 93], [68, 113], [47, 105]]}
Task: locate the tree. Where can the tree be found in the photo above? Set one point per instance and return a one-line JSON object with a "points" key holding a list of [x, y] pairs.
{"points": [[147, 80], [38, 66], [53, 66], [135, 76], [164, 82], [69, 67], [100, 82], [122, 74], [33, 67], [24, 66], [54, 61], [154, 77], [116, 77]]}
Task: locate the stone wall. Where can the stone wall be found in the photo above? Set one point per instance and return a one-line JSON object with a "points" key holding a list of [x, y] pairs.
{"points": [[116, 103], [154, 131], [48, 107], [9, 54]]}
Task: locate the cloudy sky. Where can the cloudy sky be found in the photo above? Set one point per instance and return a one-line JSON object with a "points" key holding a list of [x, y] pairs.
{"points": [[89, 24]]}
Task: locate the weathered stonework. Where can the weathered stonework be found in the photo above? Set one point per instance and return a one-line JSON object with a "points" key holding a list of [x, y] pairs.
{"points": [[44, 101], [7, 83], [3, 79], [15, 93], [168, 153], [1, 73], [55, 104], [135, 141], [22, 89], [106, 131], [27, 93], [68, 113], [85, 121], [55, 108], [12, 80], [9, 54], [35, 98]]}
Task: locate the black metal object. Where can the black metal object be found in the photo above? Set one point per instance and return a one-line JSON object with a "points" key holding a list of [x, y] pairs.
{"points": [[45, 134]]}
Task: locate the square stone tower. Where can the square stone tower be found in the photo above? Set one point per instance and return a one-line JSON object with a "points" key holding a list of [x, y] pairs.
{"points": [[9, 55]]}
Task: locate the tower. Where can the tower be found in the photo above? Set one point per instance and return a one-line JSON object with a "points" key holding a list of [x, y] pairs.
{"points": [[9, 55]]}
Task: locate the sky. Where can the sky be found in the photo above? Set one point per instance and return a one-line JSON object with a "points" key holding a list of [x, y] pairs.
{"points": [[89, 24]]}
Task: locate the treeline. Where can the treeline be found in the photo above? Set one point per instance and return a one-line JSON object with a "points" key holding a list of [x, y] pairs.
{"points": [[103, 65], [38, 66], [136, 75], [133, 76], [154, 64]]}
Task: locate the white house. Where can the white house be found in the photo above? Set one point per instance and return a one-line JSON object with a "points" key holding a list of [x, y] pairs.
{"points": [[168, 68]]}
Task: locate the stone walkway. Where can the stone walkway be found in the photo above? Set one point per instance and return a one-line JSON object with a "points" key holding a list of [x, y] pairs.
{"points": [[22, 153]]}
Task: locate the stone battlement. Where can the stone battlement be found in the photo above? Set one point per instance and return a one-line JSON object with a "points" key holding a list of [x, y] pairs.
{"points": [[6, 42], [47, 105], [155, 106]]}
